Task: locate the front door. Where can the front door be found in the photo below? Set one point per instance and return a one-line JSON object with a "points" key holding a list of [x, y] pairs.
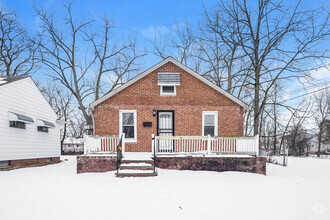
{"points": [[165, 127]]}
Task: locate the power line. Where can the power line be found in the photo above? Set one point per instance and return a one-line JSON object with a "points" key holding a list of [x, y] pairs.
{"points": [[303, 95], [307, 88]]}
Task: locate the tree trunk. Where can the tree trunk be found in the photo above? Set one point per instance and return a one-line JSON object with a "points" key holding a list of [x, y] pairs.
{"points": [[62, 140], [256, 105], [319, 139]]}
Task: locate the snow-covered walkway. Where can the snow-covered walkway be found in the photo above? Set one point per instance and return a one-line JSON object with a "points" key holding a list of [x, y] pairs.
{"points": [[300, 191]]}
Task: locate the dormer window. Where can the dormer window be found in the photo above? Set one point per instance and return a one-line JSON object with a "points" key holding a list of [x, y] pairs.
{"points": [[168, 83]]}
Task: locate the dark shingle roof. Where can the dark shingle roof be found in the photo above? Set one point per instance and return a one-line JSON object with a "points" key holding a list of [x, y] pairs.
{"points": [[4, 80]]}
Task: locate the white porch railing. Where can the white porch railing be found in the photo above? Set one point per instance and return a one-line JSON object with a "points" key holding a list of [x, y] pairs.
{"points": [[94, 144], [206, 145]]}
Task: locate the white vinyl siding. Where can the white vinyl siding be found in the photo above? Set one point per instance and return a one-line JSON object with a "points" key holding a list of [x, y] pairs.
{"points": [[210, 123], [127, 124], [23, 97]]}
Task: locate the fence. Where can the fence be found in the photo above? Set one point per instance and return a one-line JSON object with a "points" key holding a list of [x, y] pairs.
{"points": [[206, 145], [101, 144]]}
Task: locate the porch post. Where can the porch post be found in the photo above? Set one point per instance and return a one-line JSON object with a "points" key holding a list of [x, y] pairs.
{"points": [[152, 144], [208, 144], [85, 144], [123, 142], [257, 144]]}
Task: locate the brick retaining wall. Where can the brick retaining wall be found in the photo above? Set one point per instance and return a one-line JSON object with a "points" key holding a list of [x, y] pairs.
{"points": [[219, 164], [96, 163]]}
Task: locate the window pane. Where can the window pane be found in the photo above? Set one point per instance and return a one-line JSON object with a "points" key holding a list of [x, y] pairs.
{"points": [[129, 131], [17, 124], [168, 89], [128, 119], [209, 130], [21, 125], [208, 120], [43, 129]]}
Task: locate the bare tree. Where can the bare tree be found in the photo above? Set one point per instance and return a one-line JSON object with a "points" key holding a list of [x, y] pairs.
{"points": [[61, 54], [181, 44], [321, 115], [17, 49], [295, 125], [62, 103], [278, 43], [113, 59], [223, 57]]}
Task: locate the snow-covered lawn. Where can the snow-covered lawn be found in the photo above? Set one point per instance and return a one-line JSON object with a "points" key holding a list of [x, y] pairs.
{"points": [[299, 191]]}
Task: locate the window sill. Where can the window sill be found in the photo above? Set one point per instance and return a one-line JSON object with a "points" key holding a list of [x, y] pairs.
{"points": [[171, 95], [127, 140]]}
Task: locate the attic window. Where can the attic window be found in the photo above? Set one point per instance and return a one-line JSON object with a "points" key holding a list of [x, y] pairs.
{"points": [[167, 90], [168, 79]]}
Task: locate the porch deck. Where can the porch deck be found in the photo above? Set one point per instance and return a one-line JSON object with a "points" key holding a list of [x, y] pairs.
{"points": [[173, 152]]}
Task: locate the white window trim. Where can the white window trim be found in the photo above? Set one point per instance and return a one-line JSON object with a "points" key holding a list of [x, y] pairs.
{"points": [[167, 94], [132, 140], [215, 113]]}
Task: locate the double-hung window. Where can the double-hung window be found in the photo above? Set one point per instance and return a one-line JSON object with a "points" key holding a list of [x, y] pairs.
{"points": [[127, 124], [210, 123]]}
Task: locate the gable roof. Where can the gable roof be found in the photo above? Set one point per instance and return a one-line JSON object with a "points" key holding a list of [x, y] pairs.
{"points": [[4, 80], [175, 62], [12, 80]]}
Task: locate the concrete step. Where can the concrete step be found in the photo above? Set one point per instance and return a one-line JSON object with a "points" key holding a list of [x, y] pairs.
{"points": [[126, 161], [136, 166], [136, 174]]}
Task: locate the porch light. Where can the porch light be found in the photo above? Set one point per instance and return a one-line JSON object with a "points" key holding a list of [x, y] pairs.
{"points": [[154, 112]]}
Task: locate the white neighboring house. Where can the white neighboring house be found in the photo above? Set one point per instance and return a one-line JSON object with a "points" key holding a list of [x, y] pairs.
{"points": [[29, 129]]}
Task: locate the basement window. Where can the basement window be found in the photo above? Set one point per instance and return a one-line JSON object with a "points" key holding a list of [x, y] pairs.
{"points": [[168, 90], [4, 163], [17, 124], [48, 160]]}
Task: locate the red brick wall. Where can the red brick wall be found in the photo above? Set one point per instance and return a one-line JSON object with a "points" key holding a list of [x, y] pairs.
{"points": [[219, 164], [192, 98], [96, 163], [32, 162]]}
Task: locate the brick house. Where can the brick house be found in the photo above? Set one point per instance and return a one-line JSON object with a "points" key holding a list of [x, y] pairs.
{"points": [[168, 99], [169, 117]]}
